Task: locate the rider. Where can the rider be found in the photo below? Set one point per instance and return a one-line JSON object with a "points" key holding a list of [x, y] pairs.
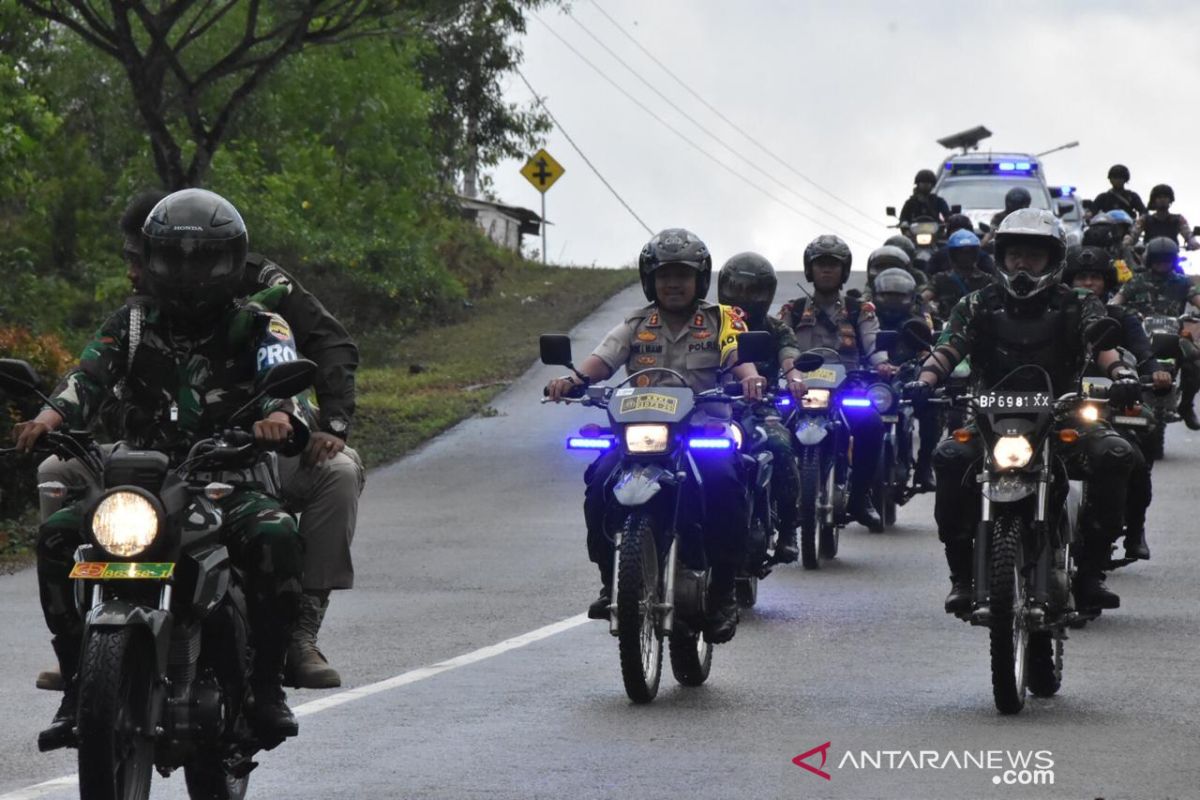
{"points": [[1159, 221], [748, 282], [1091, 269], [1159, 289], [198, 354], [923, 202], [827, 319], [940, 262], [891, 257], [1125, 258], [322, 485], [1118, 198], [678, 330], [1015, 199], [950, 286], [896, 302], [1028, 317]]}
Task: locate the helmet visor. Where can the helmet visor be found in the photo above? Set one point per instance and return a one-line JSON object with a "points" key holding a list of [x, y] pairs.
{"points": [[192, 263]]}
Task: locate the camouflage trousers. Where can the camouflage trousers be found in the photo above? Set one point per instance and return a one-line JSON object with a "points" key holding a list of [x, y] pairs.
{"points": [[262, 538]]}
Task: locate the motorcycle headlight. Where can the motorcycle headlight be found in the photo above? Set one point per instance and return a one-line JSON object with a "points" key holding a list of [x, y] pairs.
{"points": [[647, 438], [1089, 412], [880, 396], [1012, 452], [815, 398], [125, 524], [924, 239], [738, 436]]}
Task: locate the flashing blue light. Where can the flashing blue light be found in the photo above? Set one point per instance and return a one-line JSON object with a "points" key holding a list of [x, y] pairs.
{"points": [[1067, 191], [783, 401], [1006, 166], [589, 443], [1024, 165], [856, 402], [701, 443]]}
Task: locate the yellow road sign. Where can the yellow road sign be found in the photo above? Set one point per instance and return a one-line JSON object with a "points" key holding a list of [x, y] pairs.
{"points": [[542, 171]]}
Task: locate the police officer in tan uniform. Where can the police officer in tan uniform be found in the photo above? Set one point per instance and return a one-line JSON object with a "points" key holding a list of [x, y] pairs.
{"points": [[848, 327], [678, 331]]}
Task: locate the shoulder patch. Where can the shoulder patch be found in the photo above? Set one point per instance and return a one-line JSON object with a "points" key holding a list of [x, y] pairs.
{"points": [[278, 327]]}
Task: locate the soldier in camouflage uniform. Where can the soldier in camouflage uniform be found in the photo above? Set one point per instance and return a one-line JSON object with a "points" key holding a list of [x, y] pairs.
{"points": [[848, 327], [748, 282], [962, 278], [1159, 289], [195, 365]]}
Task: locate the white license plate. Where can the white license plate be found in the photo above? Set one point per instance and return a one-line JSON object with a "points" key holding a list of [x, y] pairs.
{"points": [[1014, 401], [1140, 422], [890, 418]]}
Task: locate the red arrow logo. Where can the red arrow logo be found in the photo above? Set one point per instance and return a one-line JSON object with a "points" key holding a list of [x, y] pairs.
{"points": [[824, 751]]}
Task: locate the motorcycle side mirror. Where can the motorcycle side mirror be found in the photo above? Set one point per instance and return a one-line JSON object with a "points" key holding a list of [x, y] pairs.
{"points": [[1104, 334], [807, 362], [756, 346], [918, 333], [287, 379], [555, 349], [956, 208], [17, 377], [1164, 345], [890, 211], [984, 227], [1062, 209]]}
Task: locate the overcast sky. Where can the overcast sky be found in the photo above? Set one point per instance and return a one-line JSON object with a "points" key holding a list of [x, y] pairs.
{"points": [[852, 95]]}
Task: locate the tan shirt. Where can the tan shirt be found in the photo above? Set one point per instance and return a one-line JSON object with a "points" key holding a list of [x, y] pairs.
{"points": [[696, 350]]}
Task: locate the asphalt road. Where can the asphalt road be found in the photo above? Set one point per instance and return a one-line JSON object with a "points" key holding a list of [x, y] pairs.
{"points": [[477, 540]]}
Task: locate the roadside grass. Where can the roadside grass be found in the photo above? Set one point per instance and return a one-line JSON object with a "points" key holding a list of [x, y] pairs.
{"points": [[424, 381]]}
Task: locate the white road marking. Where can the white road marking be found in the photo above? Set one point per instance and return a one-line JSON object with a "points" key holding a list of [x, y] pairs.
{"points": [[350, 695]]}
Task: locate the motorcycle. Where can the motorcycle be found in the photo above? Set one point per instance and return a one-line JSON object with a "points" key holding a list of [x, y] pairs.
{"points": [[163, 673], [660, 573], [1165, 334], [1023, 564], [924, 232]]}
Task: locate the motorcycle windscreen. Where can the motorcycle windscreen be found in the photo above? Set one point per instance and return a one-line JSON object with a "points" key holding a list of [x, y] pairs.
{"points": [[651, 404], [827, 376]]}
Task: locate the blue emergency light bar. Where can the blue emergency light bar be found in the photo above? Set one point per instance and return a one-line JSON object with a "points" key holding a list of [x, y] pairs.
{"points": [[704, 443], [783, 401], [590, 442], [856, 402]]}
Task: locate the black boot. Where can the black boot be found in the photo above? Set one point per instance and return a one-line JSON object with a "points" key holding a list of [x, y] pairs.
{"points": [[61, 732], [1091, 593], [923, 475], [958, 557], [270, 715], [1135, 544], [863, 512], [1187, 411], [786, 550], [722, 606], [599, 607]]}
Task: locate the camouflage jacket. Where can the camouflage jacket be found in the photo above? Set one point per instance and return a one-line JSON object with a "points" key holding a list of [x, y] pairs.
{"points": [[1148, 293], [178, 387]]}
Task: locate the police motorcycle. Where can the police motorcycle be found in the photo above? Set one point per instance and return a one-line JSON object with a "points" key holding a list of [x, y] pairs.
{"points": [[1023, 565], [163, 673], [660, 573], [1165, 333], [924, 232], [892, 488]]}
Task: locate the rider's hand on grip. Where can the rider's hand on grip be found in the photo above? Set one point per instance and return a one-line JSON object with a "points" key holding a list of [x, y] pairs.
{"points": [[27, 434], [1125, 392], [559, 388], [918, 392], [275, 429]]}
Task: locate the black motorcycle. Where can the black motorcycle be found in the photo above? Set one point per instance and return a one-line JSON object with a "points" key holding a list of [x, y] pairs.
{"points": [[163, 673], [660, 573], [1166, 336]]}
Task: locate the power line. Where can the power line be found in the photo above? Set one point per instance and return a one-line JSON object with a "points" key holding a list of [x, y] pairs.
{"points": [[730, 122], [541, 102], [734, 151], [685, 138]]}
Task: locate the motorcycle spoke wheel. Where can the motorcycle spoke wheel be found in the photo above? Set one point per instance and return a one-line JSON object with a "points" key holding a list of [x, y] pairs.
{"points": [[638, 639], [1009, 633]]}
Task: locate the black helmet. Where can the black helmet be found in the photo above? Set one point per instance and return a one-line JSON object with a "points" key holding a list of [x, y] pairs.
{"points": [[827, 246], [1033, 225], [1160, 248], [1100, 232], [904, 243], [1161, 190], [1090, 259], [675, 246], [925, 176], [894, 281], [196, 246], [958, 222], [1118, 171], [1017, 198], [748, 281], [886, 257]]}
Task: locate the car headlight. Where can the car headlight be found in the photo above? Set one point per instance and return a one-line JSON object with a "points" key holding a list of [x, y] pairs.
{"points": [[1012, 452], [924, 239], [125, 524], [1089, 412], [815, 398], [647, 438], [880, 396]]}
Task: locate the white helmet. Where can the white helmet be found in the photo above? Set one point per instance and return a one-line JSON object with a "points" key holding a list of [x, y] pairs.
{"points": [[1034, 226]]}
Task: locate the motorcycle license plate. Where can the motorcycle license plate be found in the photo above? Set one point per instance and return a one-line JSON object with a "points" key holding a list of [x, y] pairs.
{"points": [[108, 571], [890, 418], [1014, 401], [1140, 422]]}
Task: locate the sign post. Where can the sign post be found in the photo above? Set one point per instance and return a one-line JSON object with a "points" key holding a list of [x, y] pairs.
{"points": [[542, 171]]}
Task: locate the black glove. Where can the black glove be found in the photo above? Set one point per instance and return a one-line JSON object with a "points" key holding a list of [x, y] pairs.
{"points": [[1125, 392], [918, 392]]}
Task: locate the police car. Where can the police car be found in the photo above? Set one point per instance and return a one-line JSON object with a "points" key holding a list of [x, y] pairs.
{"points": [[977, 182]]}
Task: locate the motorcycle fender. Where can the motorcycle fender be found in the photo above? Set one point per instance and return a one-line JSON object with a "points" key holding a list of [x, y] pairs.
{"points": [[122, 614], [1010, 488], [637, 485], [810, 432]]}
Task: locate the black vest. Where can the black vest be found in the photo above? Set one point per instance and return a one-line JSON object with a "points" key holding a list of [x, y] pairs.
{"points": [[1155, 227], [1044, 332]]}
